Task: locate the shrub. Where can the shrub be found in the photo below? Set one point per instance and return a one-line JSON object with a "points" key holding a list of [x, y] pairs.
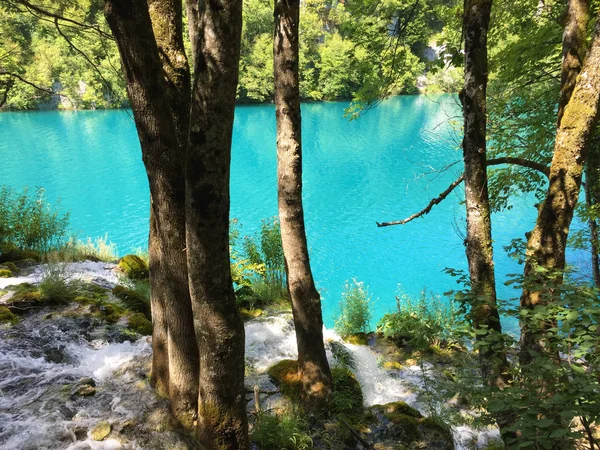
{"points": [[56, 285], [424, 322], [28, 222], [355, 313], [99, 249], [286, 431]]}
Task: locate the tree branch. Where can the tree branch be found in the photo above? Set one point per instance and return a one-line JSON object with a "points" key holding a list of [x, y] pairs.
{"points": [[427, 209], [23, 80], [492, 162]]}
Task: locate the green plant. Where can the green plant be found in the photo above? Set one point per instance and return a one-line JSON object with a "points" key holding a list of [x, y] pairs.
{"points": [[422, 323], [347, 395], [99, 249], [285, 431], [355, 313], [133, 300], [57, 285], [29, 222]]}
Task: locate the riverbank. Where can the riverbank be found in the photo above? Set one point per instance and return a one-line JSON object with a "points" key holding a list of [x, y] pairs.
{"points": [[74, 377]]}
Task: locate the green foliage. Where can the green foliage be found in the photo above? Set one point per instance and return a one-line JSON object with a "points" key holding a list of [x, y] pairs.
{"points": [[285, 431], [285, 375], [355, 313], [258, 268], [7, 317], [28, 222], [347, 394], [424, 322], [99, 249], [5, 273], [56, 285]]}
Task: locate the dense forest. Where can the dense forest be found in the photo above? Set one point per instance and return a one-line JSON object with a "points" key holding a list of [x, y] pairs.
{"points": [[526, 79]]}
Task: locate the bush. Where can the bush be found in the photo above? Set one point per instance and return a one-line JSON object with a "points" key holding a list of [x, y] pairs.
{"points": [[424, 322], [286, 431], [56, 285], [355, 312], [28, 222]]}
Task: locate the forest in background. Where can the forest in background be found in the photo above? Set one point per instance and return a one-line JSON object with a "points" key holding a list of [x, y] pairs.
{"points": [[347, 51]]}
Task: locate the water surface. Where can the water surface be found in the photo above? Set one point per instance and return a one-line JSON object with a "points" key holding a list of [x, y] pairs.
{"points": [[355, 173]]}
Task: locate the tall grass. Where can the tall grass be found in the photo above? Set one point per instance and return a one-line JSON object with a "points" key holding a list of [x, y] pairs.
{"points": [[99, 249]]}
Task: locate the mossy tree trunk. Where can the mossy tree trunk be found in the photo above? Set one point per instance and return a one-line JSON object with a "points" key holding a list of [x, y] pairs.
{"points": [[306, 303], [547, 242], [222, 420], [592, 197], [159, 93], [483, 302]]}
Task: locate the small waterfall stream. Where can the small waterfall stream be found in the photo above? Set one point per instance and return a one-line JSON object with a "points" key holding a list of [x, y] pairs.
{"points": [[43, 357]]}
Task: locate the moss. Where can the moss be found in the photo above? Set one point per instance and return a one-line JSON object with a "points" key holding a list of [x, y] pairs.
{"points": [[93, 292], [249, 314], [398, 408], [392, 365], [10, 266], [110, 312], [6, 316], [132, 300], [5, 273], [357, 339], [433, 430], [138, 323], [348, 396], [10, 252], [286, 376], [27, 293], [101, 431], [134, 267]]}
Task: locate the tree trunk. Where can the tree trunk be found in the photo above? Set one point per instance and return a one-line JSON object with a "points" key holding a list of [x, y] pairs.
{"points": [[149, 91], [592, 196], [484, 308], [222, 420], [547, 243], [574, 49], [306, 302]]}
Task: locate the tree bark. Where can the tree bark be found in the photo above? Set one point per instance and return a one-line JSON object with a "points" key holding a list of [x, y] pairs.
{"points": [[306, 303], [222, 420], [547, 243], [592, 196], [574, 49], [152, 93], [484, 308]]}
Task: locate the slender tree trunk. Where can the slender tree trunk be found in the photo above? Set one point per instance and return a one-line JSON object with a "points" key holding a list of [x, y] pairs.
{"points": [[306, 302], [547, 242], [176, 355], [222, 420], [484, 308], [592, 196]]}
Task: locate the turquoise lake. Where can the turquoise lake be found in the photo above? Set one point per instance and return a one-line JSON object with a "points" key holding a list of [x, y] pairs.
{"points": [[355, 173]]}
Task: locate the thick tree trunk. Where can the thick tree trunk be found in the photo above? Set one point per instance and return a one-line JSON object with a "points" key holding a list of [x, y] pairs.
{"points": [[162, 152], [484, 308], [574, 49], [222, 421], [306, 302], [547, 243]]}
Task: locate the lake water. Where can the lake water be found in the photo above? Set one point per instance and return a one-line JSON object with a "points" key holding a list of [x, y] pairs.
{"points": [[355, 173]]}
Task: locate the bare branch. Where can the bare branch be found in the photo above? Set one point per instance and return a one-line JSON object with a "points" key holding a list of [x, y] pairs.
{"points": [[427, 209], [23, 80], [492, 162]]}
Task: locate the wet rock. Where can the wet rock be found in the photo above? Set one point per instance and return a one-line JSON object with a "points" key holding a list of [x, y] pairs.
{"points": [[101, 431], [85, 387]]}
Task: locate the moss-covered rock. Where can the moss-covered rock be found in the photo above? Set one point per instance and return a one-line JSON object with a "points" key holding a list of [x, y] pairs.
{"points": [[347, 397], [10, 252], [399, 423], [138, 323], [101, 431], [132, 300], [285, 375], [357, 339], [250, 313], [392, 365], [7, 316], [5, 273], [27, 293], [133, 267]]}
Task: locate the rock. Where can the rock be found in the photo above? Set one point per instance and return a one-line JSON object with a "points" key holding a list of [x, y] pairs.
{"points": [[101, 431], [85, 387], [5, 273], [133, 267], [392, 365], [140, 324], [6, 316]]}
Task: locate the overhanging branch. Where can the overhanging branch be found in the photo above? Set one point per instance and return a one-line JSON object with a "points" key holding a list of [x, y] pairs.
{"points": [[492, 162]]}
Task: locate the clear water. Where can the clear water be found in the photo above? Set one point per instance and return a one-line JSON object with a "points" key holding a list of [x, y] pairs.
{"points": [[355, 173]]}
